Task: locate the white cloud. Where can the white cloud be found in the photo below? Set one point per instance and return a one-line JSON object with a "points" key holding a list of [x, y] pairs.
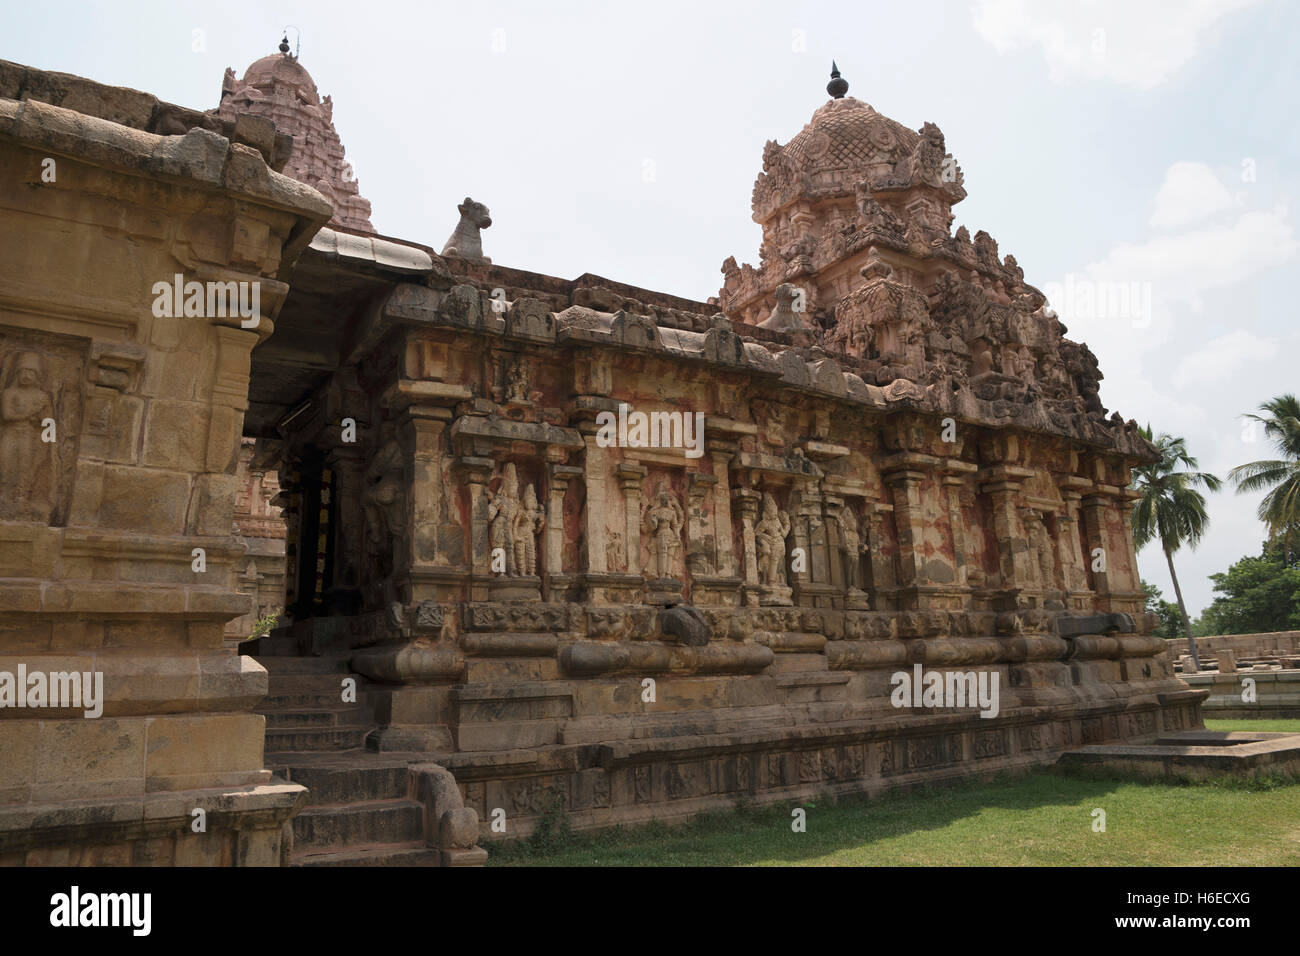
{"points": [[1219, 359], [1139, 44], [1189, 193], [1181, 268]]}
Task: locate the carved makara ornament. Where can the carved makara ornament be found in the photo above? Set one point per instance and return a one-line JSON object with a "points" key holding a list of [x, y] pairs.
{"points": [[769, 537], [662, 518]]}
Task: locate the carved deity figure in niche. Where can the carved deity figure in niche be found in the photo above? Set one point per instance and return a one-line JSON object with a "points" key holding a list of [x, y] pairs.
{"points": [[384, 498], [614, 557], [28, 465], [769, 537], [1041, 542], [517, 384], [662, 518], [528, 524], [852, 546], [503, 511]]}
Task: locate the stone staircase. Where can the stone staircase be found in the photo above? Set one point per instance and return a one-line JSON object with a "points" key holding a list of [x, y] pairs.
{"points": [[360, 810], [304, 705], [360, 807]]}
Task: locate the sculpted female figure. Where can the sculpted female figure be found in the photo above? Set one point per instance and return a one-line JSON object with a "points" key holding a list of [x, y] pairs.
{"points": [[663, 519], [28, 465], [769, 535]]}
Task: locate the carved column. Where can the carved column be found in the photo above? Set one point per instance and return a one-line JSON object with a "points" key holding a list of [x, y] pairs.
{"points": [[558, 476], [700, 544], [476, 474], [952, 485], [1002, 483], [1094, 530], [594, 472], [905, 486], [630, 477], [747, 500], [722, 530], [882, 564]]}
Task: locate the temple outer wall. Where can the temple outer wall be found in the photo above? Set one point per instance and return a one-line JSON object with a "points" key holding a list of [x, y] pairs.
{"points": [[121, 428]]}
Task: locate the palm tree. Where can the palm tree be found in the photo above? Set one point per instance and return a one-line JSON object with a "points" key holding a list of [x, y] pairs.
{"points": [[1280, 508], [1171, 510]]}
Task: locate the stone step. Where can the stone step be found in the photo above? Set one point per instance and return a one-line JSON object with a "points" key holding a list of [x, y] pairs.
{"points": [[348, 784], [344, 716], [394, 854], [300, 739], [330, 684], [324, 701], [339, 826]]}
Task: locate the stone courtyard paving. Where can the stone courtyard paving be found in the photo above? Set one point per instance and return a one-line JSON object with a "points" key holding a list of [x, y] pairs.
{"points": [[1036, 819]]}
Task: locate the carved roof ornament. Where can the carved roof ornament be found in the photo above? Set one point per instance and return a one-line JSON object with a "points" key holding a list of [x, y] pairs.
{"points": [[838, 86]]}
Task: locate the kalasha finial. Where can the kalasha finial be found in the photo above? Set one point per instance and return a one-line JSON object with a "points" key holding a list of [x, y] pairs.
{"points": [[284, 44], [837, 87]]}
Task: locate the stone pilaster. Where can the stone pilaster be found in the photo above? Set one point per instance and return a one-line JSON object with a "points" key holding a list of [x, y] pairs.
{"points": [[722, 529], [558, 478], [747, 500], [630, 476], [1002, 483], [476, 474]]}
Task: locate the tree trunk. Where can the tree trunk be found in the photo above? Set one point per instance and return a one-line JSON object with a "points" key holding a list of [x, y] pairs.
{"points": [[1182, 609]]}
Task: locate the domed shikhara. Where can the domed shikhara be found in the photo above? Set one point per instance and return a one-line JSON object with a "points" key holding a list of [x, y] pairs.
{"points": [[844, 143], [858, 258], [280, 88]]}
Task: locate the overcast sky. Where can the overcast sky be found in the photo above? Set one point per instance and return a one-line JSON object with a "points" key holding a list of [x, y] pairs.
{"points": [[1142, 142]]}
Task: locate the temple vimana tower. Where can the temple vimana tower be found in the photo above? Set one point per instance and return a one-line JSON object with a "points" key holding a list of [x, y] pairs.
{"points": [[550, 545]]}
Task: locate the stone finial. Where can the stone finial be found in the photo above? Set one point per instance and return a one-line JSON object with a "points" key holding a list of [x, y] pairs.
{"points": [[284, 44], [838, 86]]}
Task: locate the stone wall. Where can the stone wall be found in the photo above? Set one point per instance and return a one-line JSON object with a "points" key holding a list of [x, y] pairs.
{"points": [[1242, 645], [120, 430]]}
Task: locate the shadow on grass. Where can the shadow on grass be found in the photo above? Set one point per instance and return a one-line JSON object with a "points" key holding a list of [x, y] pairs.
{"points": [[750, 835]]}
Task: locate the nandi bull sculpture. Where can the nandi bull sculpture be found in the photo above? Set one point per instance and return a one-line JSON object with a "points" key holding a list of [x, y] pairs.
{"points": [[466, 241]]}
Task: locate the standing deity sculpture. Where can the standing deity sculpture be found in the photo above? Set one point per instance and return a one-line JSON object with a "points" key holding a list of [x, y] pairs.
{"points": [[28, 463], [503, 510], [662, 518], [1042, 545], [517, 382], [528, 524], [852, 546], [769, 536]]}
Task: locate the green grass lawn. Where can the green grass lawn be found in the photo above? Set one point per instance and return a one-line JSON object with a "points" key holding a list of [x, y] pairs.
{"points": [[1040, 818], [1286, 726]]}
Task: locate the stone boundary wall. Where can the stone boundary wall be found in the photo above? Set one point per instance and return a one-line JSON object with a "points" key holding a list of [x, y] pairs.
{"points": [[1242, 645]]}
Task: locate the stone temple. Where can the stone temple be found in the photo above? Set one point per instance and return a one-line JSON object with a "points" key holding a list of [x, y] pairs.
{"points": [[873, 453]]}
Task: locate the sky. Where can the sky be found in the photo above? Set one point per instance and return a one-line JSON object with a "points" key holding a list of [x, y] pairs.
{"points": [[1141, 160]]}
